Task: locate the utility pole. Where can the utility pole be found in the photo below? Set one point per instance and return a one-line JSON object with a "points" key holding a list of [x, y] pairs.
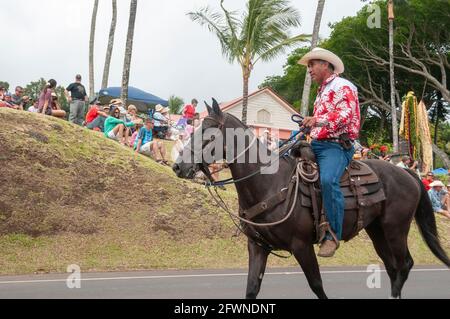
{"points": [[392, 75]]}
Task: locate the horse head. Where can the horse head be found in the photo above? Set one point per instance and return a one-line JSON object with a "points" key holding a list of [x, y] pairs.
{"points": [[200, 151]]}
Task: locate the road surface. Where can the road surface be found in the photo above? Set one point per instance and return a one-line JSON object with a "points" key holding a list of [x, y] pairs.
{"points": [[423, 282]]}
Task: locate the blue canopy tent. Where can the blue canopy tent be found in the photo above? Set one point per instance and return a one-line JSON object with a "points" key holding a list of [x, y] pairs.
{"points": [[440, 171], [141, 99]]}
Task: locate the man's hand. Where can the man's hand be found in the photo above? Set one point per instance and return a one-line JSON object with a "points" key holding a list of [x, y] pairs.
{"points": [[309, 122]]}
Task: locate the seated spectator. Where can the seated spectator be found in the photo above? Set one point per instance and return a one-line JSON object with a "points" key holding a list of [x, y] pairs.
{"points": [[114, 127], [439, 198], [34, 107], [17, 98], [146, 145], [189, 129], [95, 111], [132, 113], [383, 153], [197, 122], [177, 149], [45, 98], [428, 180], [161, 121], [98, 124], [132, 116], [2, 93], [56, 110], [26, 102], [7, 102], [135, 134], [189, 110], [404, 163]]}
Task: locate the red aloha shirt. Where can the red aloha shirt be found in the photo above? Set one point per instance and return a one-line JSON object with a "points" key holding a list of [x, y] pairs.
{"points": [[336, 109]]}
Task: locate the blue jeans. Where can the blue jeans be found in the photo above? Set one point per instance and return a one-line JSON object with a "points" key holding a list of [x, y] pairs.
{"points": [[332, 160]]}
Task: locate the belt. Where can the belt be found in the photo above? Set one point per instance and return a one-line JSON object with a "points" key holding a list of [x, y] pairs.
{"points": [[335, 139]]}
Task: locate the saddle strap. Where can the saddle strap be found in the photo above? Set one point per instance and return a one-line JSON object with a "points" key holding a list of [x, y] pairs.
{"points": [[356, 188], [316, 213]]}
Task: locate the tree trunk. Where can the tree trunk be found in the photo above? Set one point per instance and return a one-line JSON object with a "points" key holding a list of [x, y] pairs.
{"points": [[392, 77], [442, 155], [245, 97], [91, 50], [128, 51], [315, 39], [109, 50]]}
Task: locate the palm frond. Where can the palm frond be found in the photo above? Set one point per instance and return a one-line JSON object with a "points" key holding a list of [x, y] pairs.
{"points": [[215, 22], [281, 47]]}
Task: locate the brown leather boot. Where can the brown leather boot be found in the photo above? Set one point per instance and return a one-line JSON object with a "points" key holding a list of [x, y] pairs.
{"points": [[327, 249]]}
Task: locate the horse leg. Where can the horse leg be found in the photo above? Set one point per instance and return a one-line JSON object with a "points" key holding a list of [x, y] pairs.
{"points": [[306, 257], [382, 248], [397, 240], [257, 266]]}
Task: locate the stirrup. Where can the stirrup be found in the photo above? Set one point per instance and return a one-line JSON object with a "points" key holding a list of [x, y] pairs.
{"points": [[324, 228]]}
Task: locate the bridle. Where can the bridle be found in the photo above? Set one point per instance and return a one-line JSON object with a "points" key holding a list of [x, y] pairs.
{"points": [[203, 166]]}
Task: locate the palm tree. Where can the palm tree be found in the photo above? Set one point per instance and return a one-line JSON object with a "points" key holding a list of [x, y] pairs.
{"points": [[128, 51], [91, 50], [175, 104], [109, 50], [262, 34], [314, 41]]}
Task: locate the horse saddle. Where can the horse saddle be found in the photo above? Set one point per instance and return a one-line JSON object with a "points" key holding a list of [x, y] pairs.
{"points": [[360, 186]]}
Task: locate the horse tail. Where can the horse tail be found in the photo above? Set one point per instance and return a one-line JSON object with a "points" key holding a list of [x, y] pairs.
{"points": [[426, 221]]}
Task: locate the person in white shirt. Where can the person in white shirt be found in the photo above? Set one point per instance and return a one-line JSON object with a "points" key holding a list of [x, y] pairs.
{"points": [[405, 162]]}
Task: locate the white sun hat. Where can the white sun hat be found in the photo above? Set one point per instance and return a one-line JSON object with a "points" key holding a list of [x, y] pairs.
{"points": [[437, 183], [322, 54]]}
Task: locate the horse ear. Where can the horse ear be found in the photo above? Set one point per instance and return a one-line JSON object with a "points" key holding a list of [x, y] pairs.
{"points": [[208, 108], [216, 108]]}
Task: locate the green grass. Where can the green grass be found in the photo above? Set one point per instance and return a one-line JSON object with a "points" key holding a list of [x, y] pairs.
{"points": [[72, 196]]}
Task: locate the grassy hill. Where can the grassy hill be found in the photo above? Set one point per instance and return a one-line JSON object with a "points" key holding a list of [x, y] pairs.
{"points": [[71, 196]]}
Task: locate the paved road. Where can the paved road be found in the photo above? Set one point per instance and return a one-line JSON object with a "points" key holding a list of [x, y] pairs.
{"points": [[424, 282]]}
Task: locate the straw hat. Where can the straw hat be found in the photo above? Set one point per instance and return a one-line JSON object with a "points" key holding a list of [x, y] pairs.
{"points": [[325, 55], [437, 183], [159, 108], [116, 102]]}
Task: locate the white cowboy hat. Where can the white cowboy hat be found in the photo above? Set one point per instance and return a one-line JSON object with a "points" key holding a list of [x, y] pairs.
{"points": [[159, 108], [437, 183], [322, 54]]}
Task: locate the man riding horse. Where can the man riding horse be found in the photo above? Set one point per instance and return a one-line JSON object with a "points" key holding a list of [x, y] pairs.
{"points": [[334, 126]]}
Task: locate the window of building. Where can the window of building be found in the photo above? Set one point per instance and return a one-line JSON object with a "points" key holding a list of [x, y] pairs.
{"points": [[264, 117]]}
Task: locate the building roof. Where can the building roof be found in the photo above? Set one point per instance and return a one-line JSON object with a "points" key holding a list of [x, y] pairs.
{"points": [[229, 105]]}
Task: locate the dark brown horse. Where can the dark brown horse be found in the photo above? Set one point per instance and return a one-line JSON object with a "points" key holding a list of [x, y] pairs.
{"points": [[387, 223]]}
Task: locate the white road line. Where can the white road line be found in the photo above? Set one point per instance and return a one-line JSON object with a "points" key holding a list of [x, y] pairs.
{"points": [[203, 276]]}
